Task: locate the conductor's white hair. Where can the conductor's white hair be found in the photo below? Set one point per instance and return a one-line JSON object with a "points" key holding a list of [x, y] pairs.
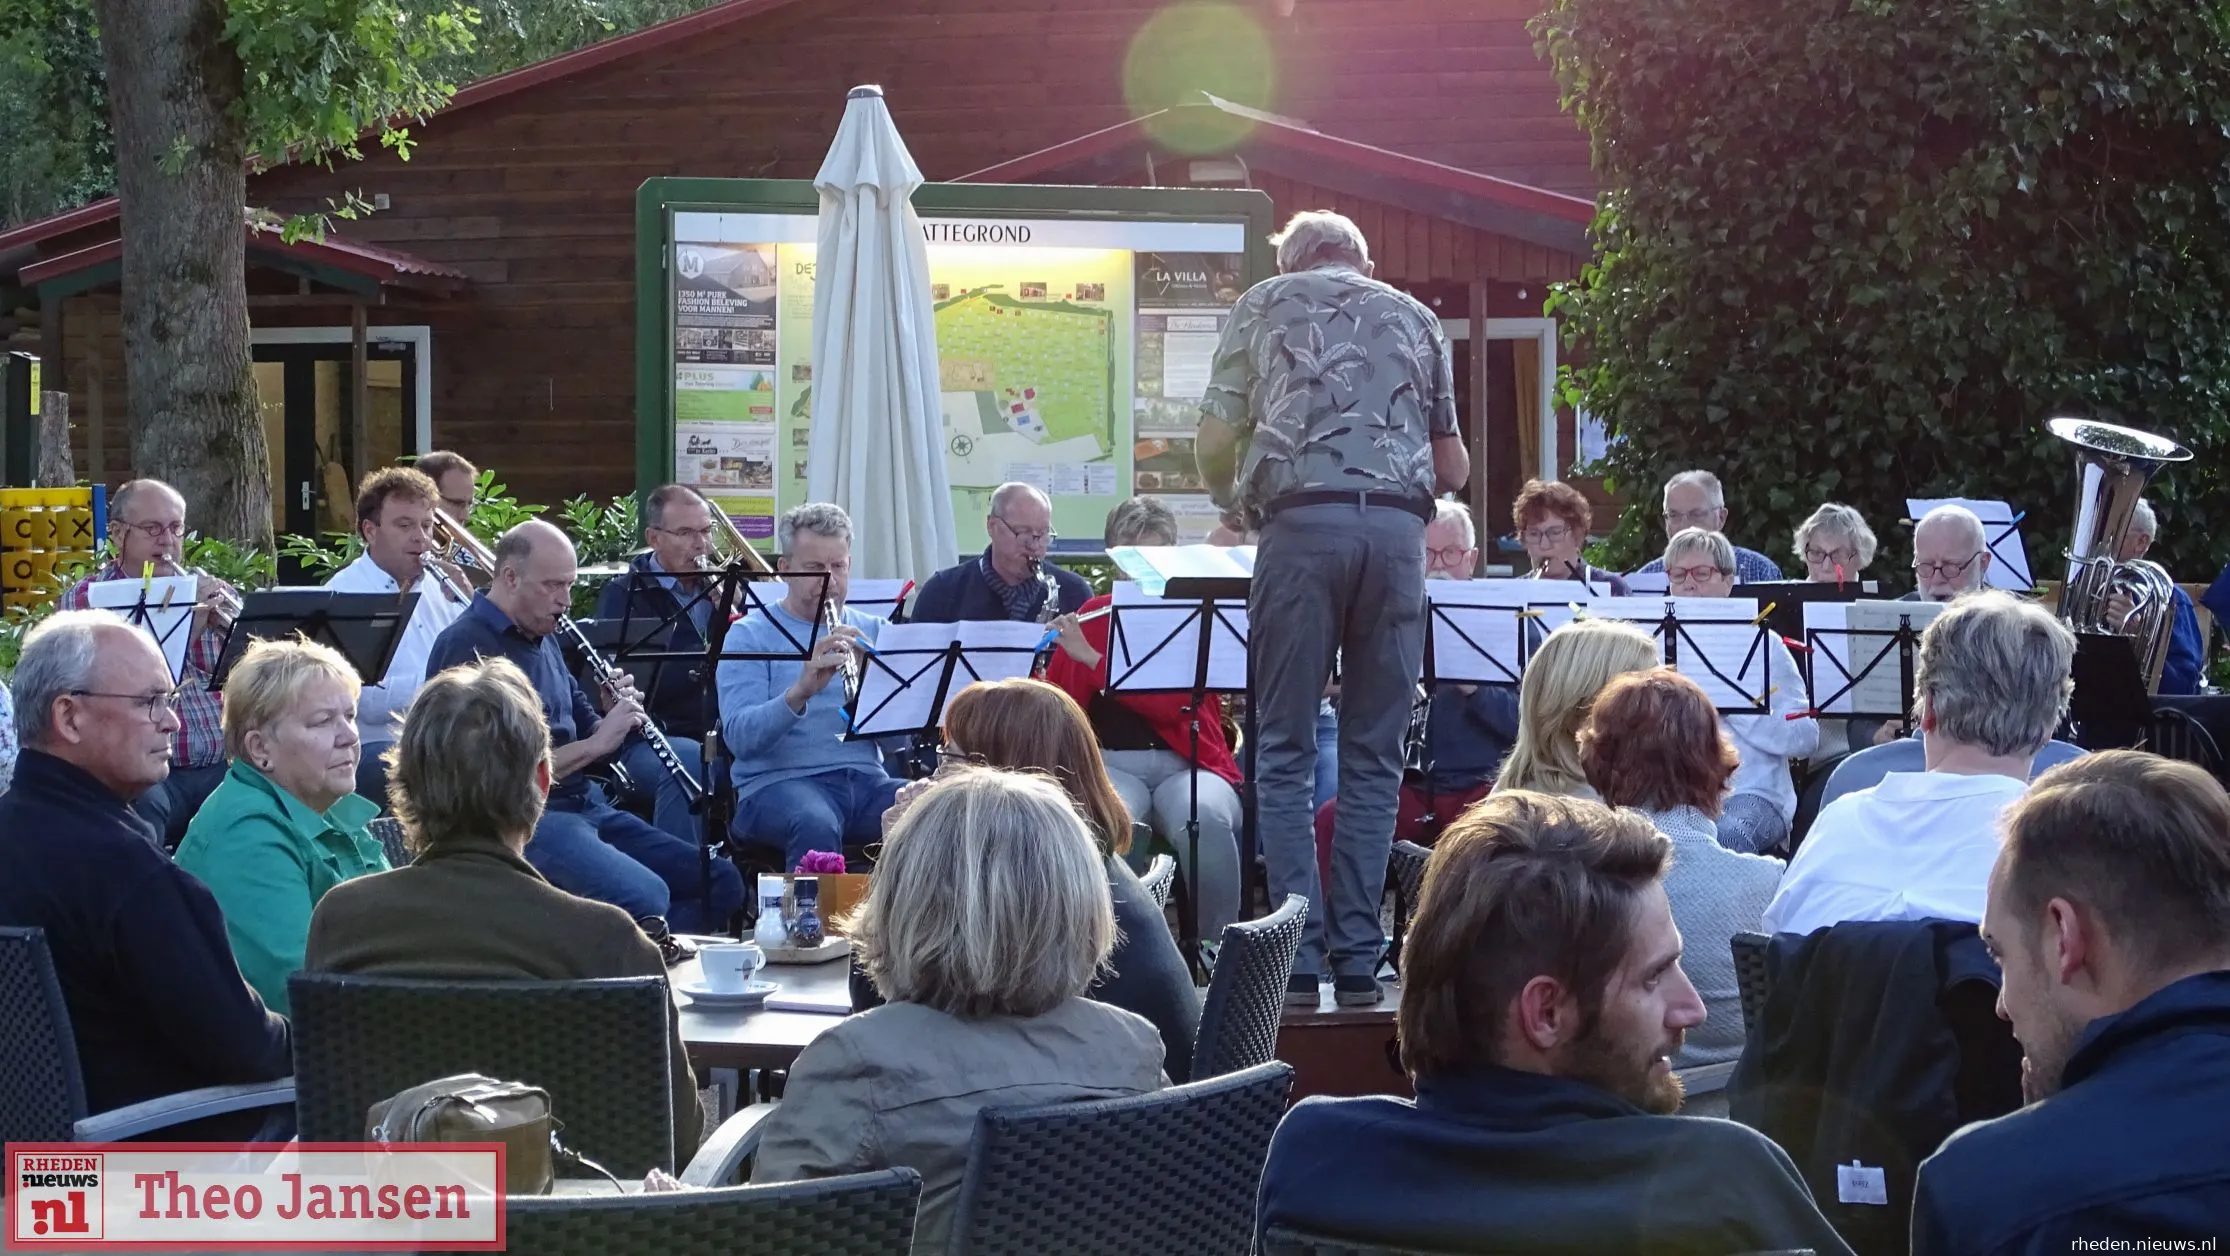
{"points": [[1319, 237], [1457, 514], [1704, 480]]}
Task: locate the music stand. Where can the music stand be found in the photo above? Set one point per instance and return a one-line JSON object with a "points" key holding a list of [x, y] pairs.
{"points": [[1718, 644], [1836, 646], [2110, 707], [364, 627], [1784, 600], [915, 669]]}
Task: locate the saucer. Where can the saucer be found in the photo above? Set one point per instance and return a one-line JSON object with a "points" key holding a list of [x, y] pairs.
{"points": [[752, 995]]}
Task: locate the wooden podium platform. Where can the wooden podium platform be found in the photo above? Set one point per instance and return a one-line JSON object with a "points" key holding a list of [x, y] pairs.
{"points": [[1342, 1050]]}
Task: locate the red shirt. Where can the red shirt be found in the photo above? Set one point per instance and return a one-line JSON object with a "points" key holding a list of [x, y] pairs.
{"points": [[1165, 713]]}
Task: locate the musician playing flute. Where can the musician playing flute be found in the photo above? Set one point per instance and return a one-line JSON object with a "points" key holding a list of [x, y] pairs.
{"points": [[800, 786], [147, 525], [583, 844], [666, 583]]}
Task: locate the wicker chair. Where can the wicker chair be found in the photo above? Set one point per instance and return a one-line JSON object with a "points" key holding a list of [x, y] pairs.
{"points": [[389, 831], [863, 1214], [42, 1093], [1239, 1017], [1752, 978], [1279, 1241], [1405, 873], [1160, 874], [1189, 1161]]}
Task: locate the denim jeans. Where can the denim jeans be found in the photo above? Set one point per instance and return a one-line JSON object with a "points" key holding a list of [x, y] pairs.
{"points": [[669, 805], [591, 848], [819, 812]]}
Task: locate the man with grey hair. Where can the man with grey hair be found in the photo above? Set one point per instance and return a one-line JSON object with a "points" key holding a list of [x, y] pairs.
{"points": [[1695, 499], [664, 590], [1992, 685], [1012, 578], [800, 785], [1951, 554], [155, 997], [2186, 649], [1341, 391]]}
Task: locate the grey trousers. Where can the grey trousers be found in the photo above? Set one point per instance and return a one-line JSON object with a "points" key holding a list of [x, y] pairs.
{"points": [[1348, 580]]}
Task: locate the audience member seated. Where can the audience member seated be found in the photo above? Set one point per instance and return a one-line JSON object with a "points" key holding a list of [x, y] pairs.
{"points": [[147, 527], [1757, 814], [1552, 519], [1542, 1003], [1654, 743], [155, 997], [7, 738], [1951, 555], [1030, 726], [1468, 729], [1568, 669], [1694, 499], [1147, 740], [666, 585], [800, 786], [2186, 662], [584, 844], [1011, 579], [985, 921], [468, 779], [2110, 914], [394, 518], [1991, 685], [1835, 545], [284, 828]]}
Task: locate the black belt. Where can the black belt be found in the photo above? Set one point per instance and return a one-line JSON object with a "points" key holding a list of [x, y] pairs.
{"points": [[1422, 507]]}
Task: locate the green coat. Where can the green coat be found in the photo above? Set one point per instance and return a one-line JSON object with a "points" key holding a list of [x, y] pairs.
{"points": [[268, 858]]}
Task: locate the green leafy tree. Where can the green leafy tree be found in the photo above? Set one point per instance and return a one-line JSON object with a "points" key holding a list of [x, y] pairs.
{"points": [[1857, 250]]}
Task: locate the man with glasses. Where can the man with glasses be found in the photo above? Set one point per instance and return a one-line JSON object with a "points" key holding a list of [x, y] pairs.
{"points": [[1951, 555], [156, 1001], [1694, 499], [665, 585], [1011, 579], [458, 482], [147, 526]]}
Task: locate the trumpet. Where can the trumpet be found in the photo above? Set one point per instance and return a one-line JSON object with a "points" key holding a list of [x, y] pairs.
{"points": [[449, 533], [223, 601]]}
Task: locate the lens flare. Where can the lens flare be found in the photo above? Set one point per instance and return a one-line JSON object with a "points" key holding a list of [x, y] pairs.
{"points": [[1188, 49]]}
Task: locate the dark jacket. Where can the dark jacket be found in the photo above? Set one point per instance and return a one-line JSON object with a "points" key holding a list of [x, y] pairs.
{"points": [[2132, 1147], [1495, 1160], [961, 593], [641, 600], [1878, 1040], [156, 1000], [473, 910], [1469, 734], [1145, 975]]}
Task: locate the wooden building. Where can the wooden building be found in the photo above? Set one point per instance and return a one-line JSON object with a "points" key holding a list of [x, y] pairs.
{"points": [[496, 283]]}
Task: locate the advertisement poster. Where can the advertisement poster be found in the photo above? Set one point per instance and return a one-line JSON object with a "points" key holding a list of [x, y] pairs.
{"points": [[1183, 300], [724, 395]]}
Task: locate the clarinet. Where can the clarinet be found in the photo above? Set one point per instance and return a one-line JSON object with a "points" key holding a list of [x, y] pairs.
{"points": [[609, 677], [830, 621], [1414, 742]]}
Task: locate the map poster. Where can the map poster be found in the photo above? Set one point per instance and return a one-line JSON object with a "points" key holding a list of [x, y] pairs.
{"points": [[1183, 302]]}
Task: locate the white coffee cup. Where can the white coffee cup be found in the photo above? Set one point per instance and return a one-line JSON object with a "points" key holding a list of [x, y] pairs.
{"points": [[728, 966]]}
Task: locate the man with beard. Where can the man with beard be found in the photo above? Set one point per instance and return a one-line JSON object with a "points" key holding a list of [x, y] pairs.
{"points": [[1542, 999], [2109, 910]]}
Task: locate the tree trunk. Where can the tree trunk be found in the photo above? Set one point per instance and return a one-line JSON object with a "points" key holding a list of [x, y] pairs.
{"points": [[174, 85]]}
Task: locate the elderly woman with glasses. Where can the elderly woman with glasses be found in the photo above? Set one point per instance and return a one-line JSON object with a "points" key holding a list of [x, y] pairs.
{"points": [[1835, 544], [1552, 519], [1762, 798], [286, 824]]}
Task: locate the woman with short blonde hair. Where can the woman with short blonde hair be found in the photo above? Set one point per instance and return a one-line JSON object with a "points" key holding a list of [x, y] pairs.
{"points": [[1561, 680]]}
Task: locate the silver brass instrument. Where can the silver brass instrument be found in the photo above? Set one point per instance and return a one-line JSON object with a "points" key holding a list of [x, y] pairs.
{"points": [[224, 601], [1052, 607], [449, 533], [2112, 466], [441, 577], [830, 621]]}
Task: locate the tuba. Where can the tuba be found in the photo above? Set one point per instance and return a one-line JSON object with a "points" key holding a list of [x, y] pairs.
{"points": [[2112, 466]]}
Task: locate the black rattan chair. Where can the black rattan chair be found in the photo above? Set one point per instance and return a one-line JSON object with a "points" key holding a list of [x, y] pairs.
{"points": [[1405, 873], [863, 1214], [42, 1092], [1239, 1017], [1280, 1241], [1752, 978], [389, 831], [1160, 874], [1189, 1160]]}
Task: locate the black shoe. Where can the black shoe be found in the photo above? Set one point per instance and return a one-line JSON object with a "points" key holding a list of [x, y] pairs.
{"points": [[670, 948], [1302, 990], [1357, 991]]}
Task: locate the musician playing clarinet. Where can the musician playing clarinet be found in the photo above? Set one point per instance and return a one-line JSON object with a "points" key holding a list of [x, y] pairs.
{"points": [[583, 844], [800, 786], [1011, 579]]}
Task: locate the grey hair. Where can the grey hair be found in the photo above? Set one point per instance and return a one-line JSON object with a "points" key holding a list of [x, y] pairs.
{"points": [[513, 546], [819, 518], [662, 499], [58, 656], [1136, 516], [1319, 237], [1715, 544], [1446, 510], [131, 489], [1004, 495], [1994, 670], [2142, 519], [1969, 523], [990, 899], [1704, 480], [1836, 519]]}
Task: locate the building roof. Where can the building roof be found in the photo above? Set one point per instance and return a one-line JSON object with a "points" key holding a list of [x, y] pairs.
{"points": [[1293, 149], [340, 262]]}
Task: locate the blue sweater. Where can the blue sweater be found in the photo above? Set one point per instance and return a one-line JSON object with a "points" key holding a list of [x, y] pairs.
{"points": [[2132, 1147], [771, 742]]}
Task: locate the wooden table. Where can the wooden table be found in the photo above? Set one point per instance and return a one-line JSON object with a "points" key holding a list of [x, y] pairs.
{"points": [[1338, 1050], [729, 1038]]}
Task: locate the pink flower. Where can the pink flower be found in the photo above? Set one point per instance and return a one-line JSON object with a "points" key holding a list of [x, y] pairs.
{"points": [[821, 862]]}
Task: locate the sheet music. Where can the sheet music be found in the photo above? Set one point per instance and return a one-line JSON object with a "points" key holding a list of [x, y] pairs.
{"points": [[1642, 583], [898, 683], [2001, 532], [1479, 627], [1721, 646], [1154, 643], [1855, 671], [879, 598], [1154, 566], [165, 615]]}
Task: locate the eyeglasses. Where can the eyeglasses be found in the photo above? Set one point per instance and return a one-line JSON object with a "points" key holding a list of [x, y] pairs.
{"points": [[1546, 536], [1946, 569], [1830, 558], [154, 531], [1447, 556], [153, 705], [1691, 518], [1041, 536], [688, 534], [1694, 574]]}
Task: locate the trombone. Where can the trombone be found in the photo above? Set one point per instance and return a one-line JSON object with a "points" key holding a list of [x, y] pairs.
{"points": [[729, 545]]}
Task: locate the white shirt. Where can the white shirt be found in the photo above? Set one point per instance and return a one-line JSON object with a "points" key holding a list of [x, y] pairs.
{"points": [[379, 710], [1766, 743], [1918, 846]]}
